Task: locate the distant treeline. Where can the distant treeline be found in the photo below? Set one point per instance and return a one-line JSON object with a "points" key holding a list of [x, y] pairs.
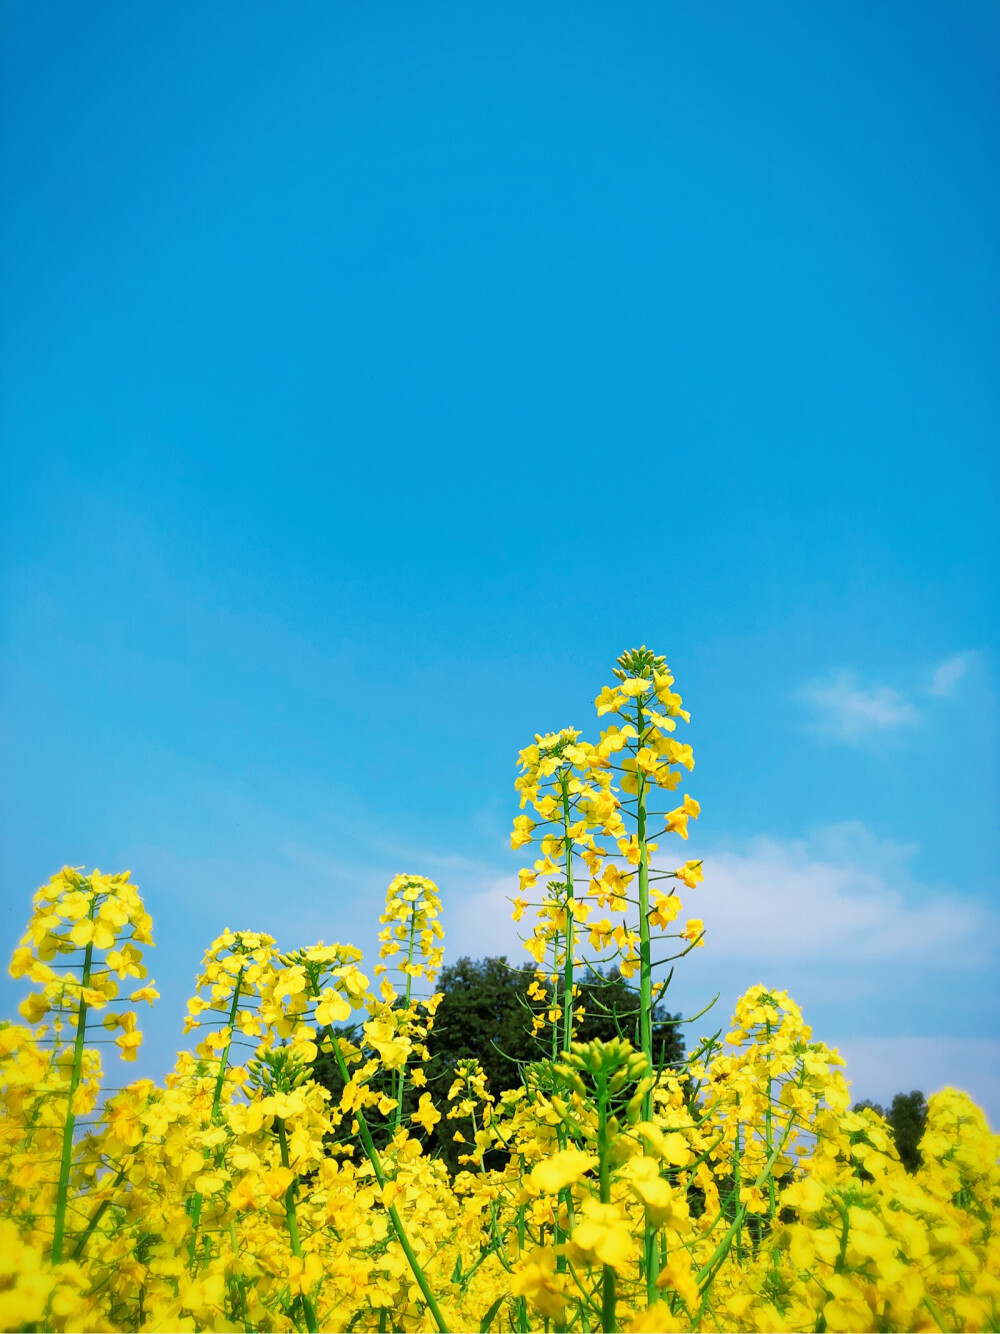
{"points": [[485, 1014]]}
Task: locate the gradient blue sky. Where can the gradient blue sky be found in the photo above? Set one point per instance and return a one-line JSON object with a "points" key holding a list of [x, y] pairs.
{"points": [[374, 374]]}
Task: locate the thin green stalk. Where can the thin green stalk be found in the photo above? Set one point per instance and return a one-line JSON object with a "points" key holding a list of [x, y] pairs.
{"points": [[291, 1222], [562, 1135], [554, 1040], [736, 1187], [224, 1059], [651, 1255], [707, 1272], [845, 1232], [570, 920], [96, 1217], [768, 1133], [720, 1251], [216, 1104], [522, 1304], [734, 1232], [485, 1252], [645, 948], [609, 1294], [585, 1300], [394, 1218], [934, 1312], [401, 1074], [62, 1190]]}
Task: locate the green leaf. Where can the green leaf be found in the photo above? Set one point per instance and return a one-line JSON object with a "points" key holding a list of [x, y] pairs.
{"points": [[487, 1319]]}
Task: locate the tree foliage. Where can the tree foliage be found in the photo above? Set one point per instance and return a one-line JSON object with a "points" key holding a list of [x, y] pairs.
{"points": [[485, 1015], [906, 1118]]}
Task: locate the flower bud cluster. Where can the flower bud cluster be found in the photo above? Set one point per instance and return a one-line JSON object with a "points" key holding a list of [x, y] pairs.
{"points": [[99, 923], [588, 825]]}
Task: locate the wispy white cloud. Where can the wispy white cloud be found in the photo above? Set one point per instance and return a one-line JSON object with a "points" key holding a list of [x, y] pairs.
{"points": [[845, 710], [840, 898], [848, 711], [946, 676], [479, 923]]}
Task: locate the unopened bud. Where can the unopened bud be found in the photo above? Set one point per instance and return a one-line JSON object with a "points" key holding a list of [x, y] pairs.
{"points": [[633, 1109]]}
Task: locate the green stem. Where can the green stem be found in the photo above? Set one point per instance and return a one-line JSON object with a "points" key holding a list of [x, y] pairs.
{"points": [[707, 1271], [558, 1231], [651, 1253], [768, 1132], [394, 1218], [645, 948], [842, 1253], [292, 1224], [570, 920], [609, 1293], [216, 1104], [224, 1058], [736, 1187], [934, 1312], [522, 1305], [401, 1074], [62, 1190], [96, 1216]]}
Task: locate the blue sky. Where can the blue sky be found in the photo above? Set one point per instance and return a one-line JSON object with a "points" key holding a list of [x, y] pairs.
{"points": [[374, 375]]}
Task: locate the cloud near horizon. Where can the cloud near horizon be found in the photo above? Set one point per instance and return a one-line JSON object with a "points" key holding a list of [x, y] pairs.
{"points": [[843, 896], [826, 908], [880, 1067]]}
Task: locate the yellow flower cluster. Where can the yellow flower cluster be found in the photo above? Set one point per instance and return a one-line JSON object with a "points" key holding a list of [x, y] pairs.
{"points": [[606, 1193], [601, 810], [81, 918]]}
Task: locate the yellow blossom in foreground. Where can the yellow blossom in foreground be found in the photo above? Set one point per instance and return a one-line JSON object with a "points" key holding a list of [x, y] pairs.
{"points": [[426, 1114], [604, 1232], [561, 1170], [694, 930]]}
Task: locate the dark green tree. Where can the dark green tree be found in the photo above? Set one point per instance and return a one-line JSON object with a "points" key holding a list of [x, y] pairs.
{"points": [[906, 1118], [485, 1014]]}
